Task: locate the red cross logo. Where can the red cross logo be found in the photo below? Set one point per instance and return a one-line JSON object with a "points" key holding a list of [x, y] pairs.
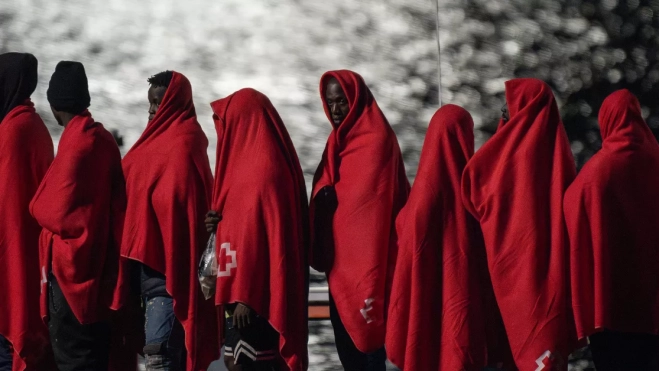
{"points": [[546, 356], [367, 308], [226, 261]]}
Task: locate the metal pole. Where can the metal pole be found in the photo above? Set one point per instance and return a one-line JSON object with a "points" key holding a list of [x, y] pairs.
{"points": [[439, 55]]}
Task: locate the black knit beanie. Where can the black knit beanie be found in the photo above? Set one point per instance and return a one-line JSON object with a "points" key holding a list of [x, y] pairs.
{"points": [[68, 90]]}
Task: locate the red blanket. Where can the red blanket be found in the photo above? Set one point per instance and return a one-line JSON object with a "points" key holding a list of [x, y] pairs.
{"points": [[514, 186], [363, 162], [612, 214], [80, 206], [436, 319], [260, 193], [26, 151], [168, 184]]}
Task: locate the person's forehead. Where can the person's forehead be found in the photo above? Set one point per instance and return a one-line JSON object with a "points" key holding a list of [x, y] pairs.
{"points": [[333, 87], [157, 91]]}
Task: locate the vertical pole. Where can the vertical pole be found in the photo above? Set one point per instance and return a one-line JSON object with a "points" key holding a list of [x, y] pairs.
{"points": [[439, 55]]}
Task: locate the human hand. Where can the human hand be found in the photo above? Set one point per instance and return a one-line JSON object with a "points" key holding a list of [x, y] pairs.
{"points": [[211, 221], [242, 316]]}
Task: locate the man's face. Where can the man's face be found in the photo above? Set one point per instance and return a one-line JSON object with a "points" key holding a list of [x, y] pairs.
{"points": [[505, 115], [57, 116], [336, 101], [155, 96]]}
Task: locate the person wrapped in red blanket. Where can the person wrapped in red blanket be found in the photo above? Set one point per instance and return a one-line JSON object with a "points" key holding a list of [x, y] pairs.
{"points": [[358, 190], [612, 215], [168, 185], [80, 205], [436, 317], [260, 202], [26, 152], [514, 186]]}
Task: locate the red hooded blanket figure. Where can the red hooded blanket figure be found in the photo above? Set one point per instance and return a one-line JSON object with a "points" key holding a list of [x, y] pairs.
{"points": [[26, 151], [260, 193], [612, 215], [363, 162], [80, 205], [436, 319], [514, 186], [168, 185]]}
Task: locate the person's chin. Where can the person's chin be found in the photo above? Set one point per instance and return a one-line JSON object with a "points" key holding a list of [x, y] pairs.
{"points": [[337, 122]]}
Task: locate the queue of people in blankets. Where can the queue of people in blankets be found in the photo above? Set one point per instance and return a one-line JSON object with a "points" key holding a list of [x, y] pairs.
{"points": [[503, 259]]}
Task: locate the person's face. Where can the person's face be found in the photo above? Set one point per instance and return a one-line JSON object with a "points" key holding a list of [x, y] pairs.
{"points": [[219, 126], [57, 115], [336, 101], [155, 96], [505, 115]]}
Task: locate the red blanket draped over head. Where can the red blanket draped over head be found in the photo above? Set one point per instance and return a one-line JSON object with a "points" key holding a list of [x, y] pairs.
{"points": [[260, 193], [514, 186], [612, 215], [363, 162], [26, 151], [436, 319], [80, 205], [168, 184]]}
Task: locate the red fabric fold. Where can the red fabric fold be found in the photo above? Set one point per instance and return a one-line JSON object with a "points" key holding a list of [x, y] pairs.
{"points": [[80, 205], [260, 193], [612, 215], [26, 151], [168, 184], [436, 319], [514, 186], [363, 162]]}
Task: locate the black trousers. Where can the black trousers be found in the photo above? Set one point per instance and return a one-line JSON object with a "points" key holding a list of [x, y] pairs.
{"points": [[76, 347], [6, 354], [351, 358], [624, 351]]}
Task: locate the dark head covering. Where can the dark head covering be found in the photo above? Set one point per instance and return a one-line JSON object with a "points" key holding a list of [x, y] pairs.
{"points": [[18, 79], [68, 90]]}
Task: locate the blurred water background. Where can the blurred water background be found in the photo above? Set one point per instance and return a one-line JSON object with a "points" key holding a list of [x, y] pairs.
{"points": [[584, 49]]}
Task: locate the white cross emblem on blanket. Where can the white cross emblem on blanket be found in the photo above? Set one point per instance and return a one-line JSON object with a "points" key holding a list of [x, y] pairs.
{"points": [[367, 308], [541, 361], [226, 261]]}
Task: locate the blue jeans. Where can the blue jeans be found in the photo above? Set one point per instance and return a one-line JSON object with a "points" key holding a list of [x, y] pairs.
{"points": [[6, 354], [165, 337], [351, 358]]}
